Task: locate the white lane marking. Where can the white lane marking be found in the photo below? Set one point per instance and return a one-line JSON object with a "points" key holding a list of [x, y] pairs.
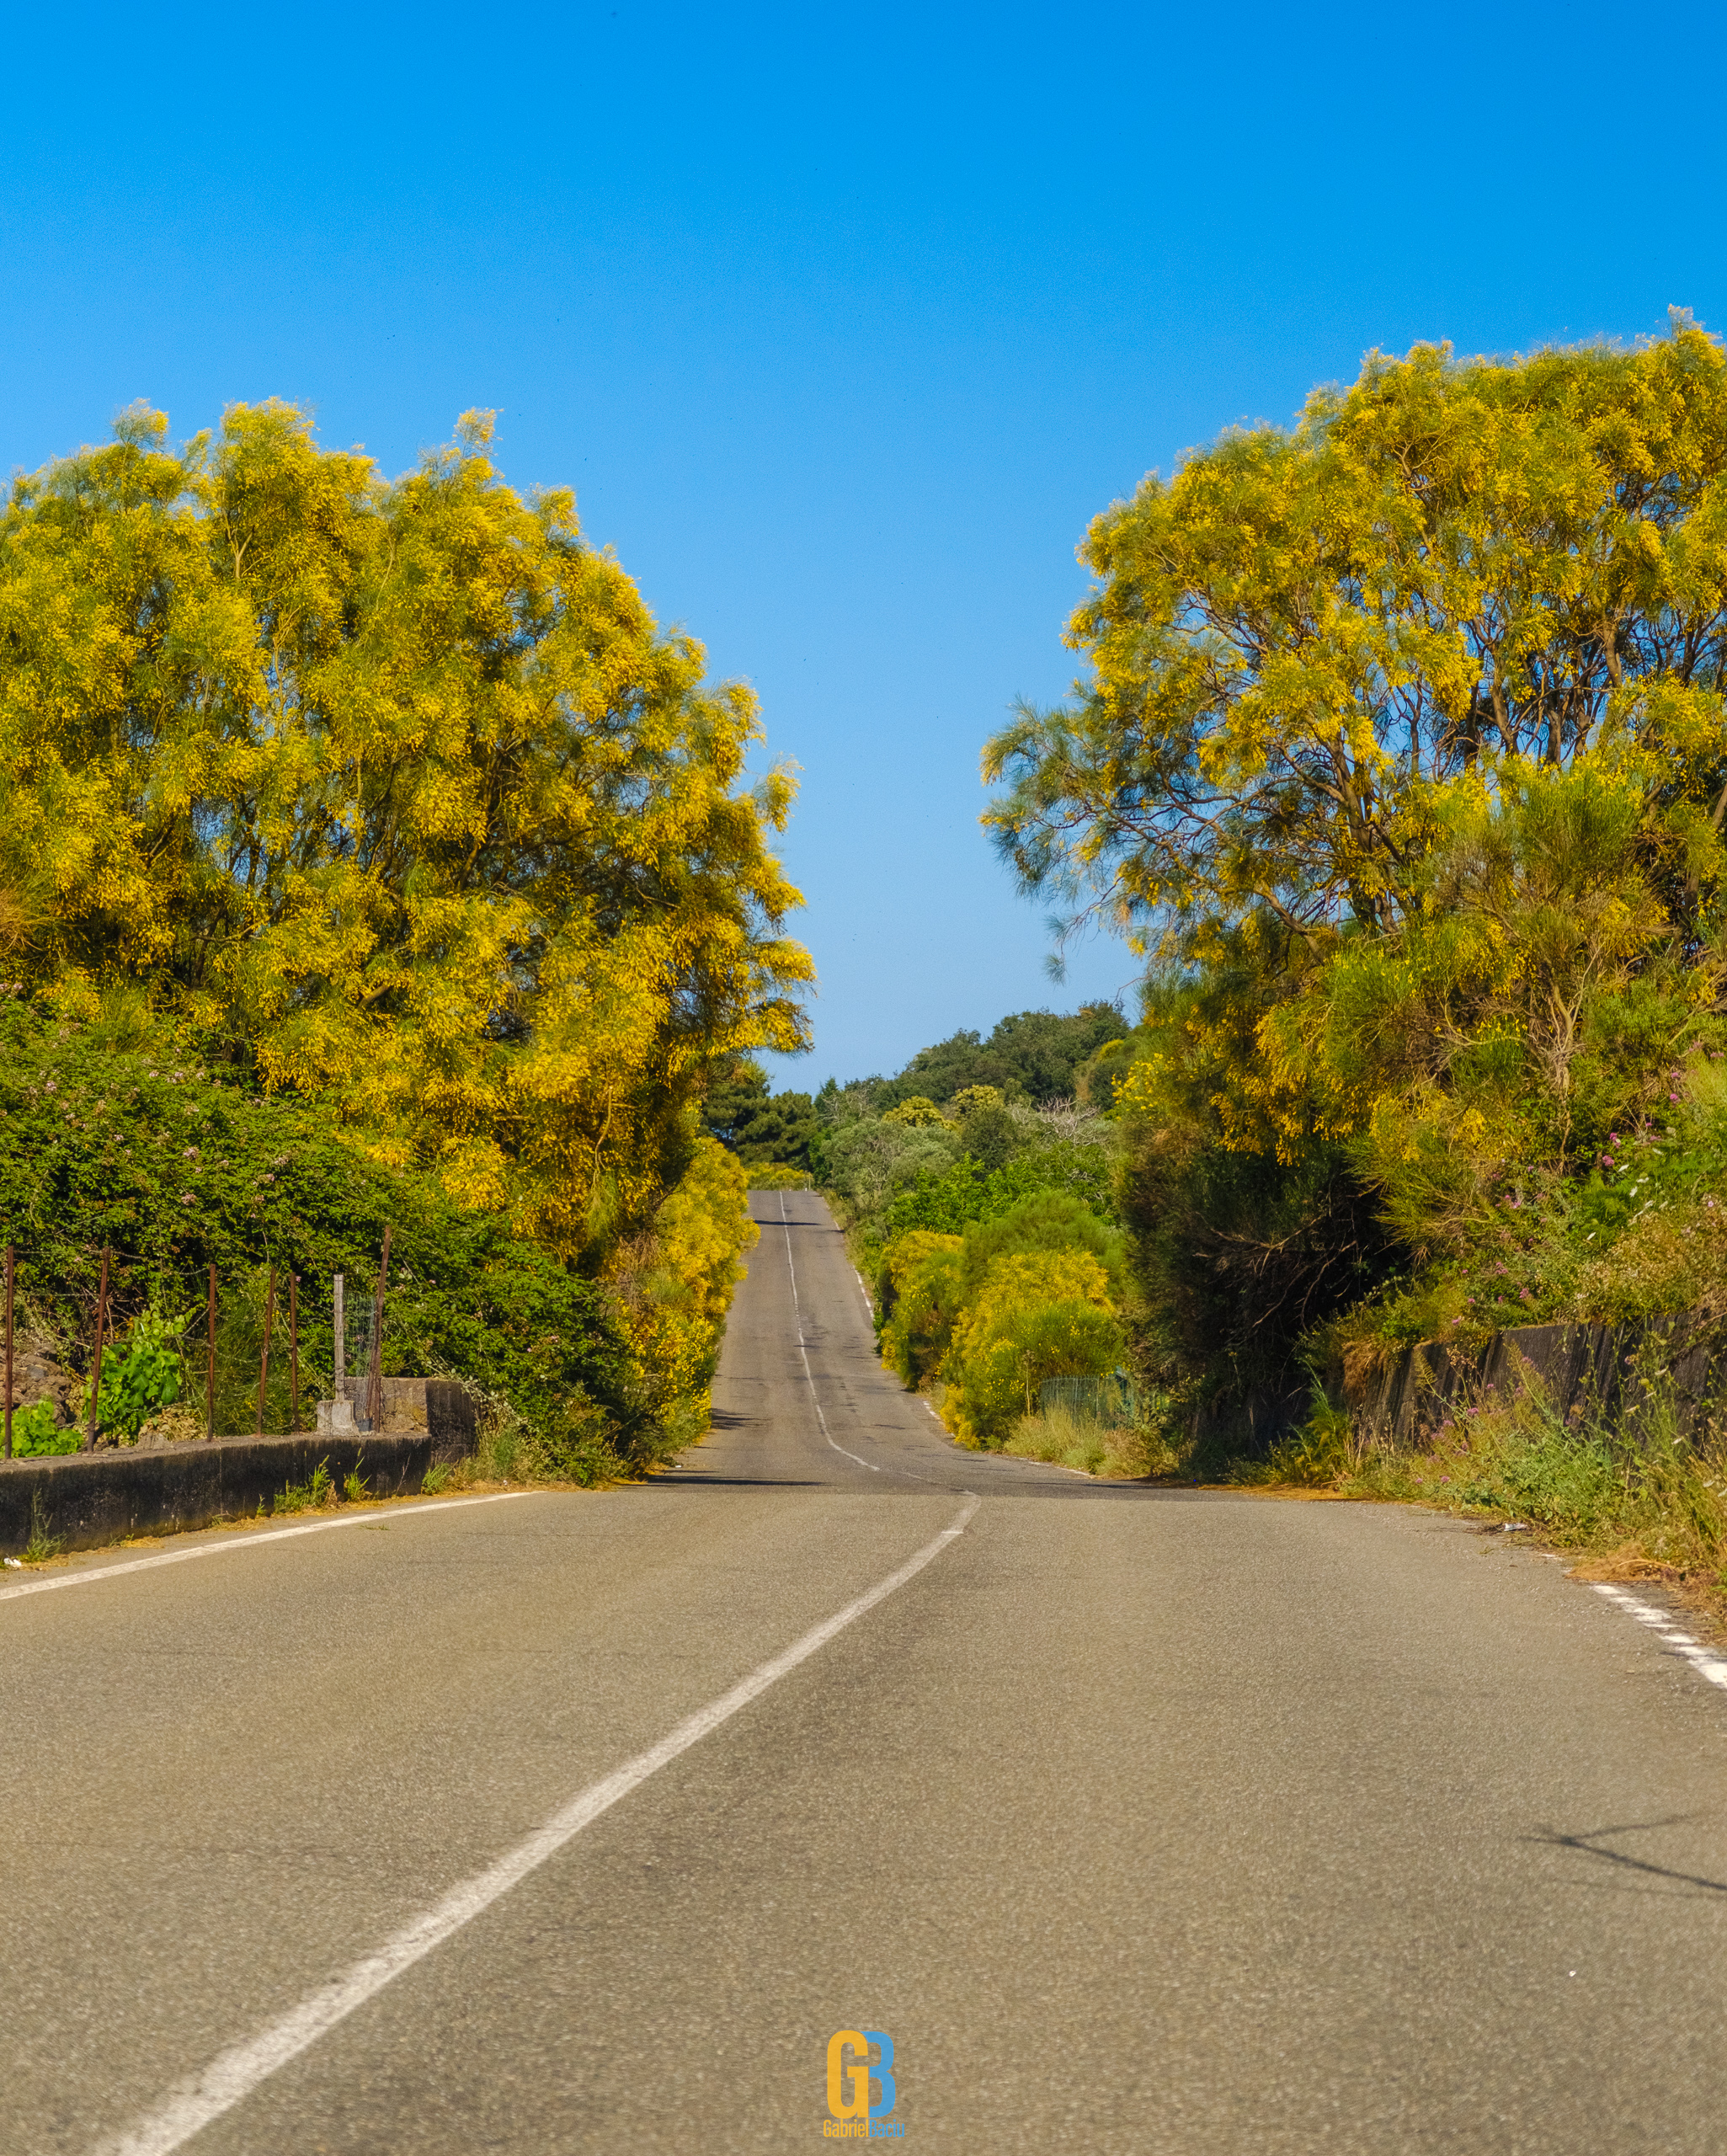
{"points": [[1702, 1659], [905, 1474], [808, 1378], [250, 1542], [236, 2072]]}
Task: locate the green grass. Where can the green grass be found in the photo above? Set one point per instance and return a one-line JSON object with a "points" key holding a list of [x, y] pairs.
{"points": [[41, 1546], [317, 1490]]}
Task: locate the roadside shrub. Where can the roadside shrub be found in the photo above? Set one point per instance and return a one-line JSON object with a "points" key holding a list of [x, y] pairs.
{"points": [[1320, 1455], [918, 1291], [176, 1172], [140, 1374], [1045, 1220], [1068, 1439], [949, 1199], [773, 1176], [1037, 1314]]}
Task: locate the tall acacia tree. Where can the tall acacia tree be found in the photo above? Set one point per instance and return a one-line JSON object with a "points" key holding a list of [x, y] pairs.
{"points": [[1402, 753], [1449, 568], [394, 794]]}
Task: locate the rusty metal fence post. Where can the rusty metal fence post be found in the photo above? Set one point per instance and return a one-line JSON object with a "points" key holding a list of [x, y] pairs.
{"points": [[9, 1349], [375, 1375], [96, 1360], [270, 1319], [209, 1373]]}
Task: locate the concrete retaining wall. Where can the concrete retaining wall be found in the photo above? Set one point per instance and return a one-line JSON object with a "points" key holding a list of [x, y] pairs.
{"points": [[89, 1499]]}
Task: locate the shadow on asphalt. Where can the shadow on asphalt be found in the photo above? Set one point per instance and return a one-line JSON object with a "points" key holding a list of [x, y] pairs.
{"points": [[731, 1482], [1588, 1844]]}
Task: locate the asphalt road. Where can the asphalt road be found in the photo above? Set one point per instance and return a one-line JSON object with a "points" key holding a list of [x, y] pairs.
{"points": [[1139, 1820]]}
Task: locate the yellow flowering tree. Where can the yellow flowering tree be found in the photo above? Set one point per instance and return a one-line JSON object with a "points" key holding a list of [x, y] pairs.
{"points": [[674, 1282], [1401, 753], [391, 792], [1038, 1313], [1301, 640]]}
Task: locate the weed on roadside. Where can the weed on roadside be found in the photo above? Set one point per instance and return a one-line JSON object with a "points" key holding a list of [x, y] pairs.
{"points": [[1069, 1437], [355, 1488], [318, 1490], [1645, 1496], [42, 1545], [1322, 1454], [436, 1478]]}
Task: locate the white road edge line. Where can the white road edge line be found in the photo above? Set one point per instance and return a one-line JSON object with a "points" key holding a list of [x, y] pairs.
{"points": [[235, 2073], [230, 1544], [1701, 1659]]}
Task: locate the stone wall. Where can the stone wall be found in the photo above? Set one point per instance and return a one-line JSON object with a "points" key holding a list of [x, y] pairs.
{"points": [[1603, 1370]]}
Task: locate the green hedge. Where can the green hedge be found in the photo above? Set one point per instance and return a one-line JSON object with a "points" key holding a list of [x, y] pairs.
{"points": [[176, 1172]]}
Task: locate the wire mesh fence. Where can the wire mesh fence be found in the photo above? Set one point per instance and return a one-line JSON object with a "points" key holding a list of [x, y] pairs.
{"points": [[255, 1353], [1114, 1400]]}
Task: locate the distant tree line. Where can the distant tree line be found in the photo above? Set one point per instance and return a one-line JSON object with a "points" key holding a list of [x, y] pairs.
{"points": [[1033, 1058]]}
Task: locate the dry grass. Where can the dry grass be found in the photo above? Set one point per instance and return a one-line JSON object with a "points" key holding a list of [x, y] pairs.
{"points": [[1069, 1440], [178, 1425]]}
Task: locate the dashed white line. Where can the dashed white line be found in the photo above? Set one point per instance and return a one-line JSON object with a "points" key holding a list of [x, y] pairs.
{"points": [[1702, 1659], [232, 2077], [231, 1543]]}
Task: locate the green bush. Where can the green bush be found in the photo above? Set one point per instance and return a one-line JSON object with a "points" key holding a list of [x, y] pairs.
{"points": [[139, 1375], [35, 1436], [1050, 1219], [1003, 1378], [920, 1294], [968, 1191], [927, 1282], [176, 1171]]}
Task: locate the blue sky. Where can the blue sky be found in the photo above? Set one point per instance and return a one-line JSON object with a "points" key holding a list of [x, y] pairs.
{"points": [[841, 323]]}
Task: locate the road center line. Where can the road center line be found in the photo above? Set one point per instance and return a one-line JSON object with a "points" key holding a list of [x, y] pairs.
{"points": [[1706, 1663], [808, 1377], [236, 2072], [223, 1548], [905, 1474]]}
